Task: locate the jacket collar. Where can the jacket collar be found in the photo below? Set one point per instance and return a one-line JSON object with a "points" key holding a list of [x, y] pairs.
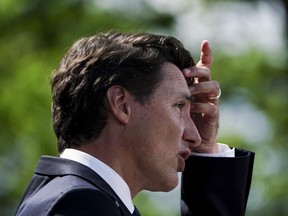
{"points": [[55, 166]]}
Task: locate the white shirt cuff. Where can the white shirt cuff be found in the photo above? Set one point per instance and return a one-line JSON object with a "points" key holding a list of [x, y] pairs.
{"points": [[223, 151]]}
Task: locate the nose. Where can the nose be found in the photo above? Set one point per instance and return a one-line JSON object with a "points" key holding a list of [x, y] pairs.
{"points": [[191, 134]]}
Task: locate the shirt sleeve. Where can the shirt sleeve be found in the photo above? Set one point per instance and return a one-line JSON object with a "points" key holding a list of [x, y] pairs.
{"points": [[223, 151]]}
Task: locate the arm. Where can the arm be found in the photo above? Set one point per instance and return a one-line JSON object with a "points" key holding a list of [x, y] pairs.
{"points": [[216, 186], [212, 185]]}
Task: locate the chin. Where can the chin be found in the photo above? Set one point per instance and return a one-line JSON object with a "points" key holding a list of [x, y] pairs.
{"points": [[172, 185], [170, 188], [169, 184]]}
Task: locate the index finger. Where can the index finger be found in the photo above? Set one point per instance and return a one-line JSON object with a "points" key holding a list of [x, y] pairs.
{"points": [[206, 58]]}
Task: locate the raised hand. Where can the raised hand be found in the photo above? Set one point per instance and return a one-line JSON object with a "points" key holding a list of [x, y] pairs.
{"points": [[206, 93]]}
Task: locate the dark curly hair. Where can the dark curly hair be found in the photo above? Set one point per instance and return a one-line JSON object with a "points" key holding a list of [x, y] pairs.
{"points": [[93, 64]]}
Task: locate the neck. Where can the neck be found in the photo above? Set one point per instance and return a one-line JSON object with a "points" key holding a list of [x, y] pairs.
{"points": [[115, 153]]}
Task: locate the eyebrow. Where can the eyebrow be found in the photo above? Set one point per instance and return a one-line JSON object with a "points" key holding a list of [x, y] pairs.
{"points": [[187, 97], [190, 98]]}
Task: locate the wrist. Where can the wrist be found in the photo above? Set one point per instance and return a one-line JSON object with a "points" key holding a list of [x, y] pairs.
{"points": [[207, 147]]}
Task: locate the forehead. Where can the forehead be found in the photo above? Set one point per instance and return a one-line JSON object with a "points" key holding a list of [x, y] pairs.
{"points": [[173, 81]]}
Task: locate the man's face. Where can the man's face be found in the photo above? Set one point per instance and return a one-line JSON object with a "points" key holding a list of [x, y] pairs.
{"points": [[161, 132]]}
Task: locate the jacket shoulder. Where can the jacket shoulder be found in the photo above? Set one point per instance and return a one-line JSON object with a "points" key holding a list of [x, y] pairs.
{"points": [[84, 201], [69, 195]]}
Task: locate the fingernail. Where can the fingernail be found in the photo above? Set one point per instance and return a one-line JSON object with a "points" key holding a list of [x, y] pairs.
{"points": [[187, 70], [193, 69]]}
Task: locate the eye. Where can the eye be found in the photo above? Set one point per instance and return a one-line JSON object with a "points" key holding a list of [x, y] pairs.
{"points": [[180, 105]]}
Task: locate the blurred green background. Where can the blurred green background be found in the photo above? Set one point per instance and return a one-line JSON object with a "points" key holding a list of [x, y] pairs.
{"points": [[249, 40]]}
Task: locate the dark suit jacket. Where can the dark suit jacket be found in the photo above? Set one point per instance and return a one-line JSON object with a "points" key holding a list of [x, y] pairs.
{"points": [[65, 187], [217, 186], [210, 186]]}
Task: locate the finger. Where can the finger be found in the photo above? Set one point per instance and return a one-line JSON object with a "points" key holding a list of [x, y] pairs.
{"points": [[210, 88], [206, 92], [202, 73], [207, 110], [206, 58]]}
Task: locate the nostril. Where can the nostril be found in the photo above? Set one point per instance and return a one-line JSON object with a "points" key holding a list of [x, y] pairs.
{"points": [[194, 143]]}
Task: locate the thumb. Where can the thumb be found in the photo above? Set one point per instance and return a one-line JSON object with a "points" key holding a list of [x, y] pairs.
{"points": [[206, 58]]}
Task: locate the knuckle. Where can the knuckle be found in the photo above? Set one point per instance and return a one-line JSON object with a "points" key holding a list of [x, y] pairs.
{"points": [[214, 111], [216, 85]]}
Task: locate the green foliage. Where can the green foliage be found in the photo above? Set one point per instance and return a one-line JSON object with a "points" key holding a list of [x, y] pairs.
{"points": [[148, 208], [265, 85]]}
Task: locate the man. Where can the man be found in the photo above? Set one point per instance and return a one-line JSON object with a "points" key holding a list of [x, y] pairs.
{"points": [[128, 110]]}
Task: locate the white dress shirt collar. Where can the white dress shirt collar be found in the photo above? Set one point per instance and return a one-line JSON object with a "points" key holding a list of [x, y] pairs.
{"points": [[107, 173]]}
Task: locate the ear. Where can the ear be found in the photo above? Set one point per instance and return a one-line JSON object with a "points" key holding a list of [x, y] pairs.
{"points": [[117, 98]]}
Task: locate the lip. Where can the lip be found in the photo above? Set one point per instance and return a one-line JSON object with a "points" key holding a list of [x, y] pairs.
{"points": [[181, 164], [182, 156], [185, 154]]}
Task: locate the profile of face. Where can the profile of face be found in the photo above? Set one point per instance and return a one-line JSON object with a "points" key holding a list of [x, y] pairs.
{"points": [[162, 132]]}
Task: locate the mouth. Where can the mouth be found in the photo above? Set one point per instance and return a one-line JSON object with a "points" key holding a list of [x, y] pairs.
{"points": [[182, 156], [181, 164], [185, 154]]}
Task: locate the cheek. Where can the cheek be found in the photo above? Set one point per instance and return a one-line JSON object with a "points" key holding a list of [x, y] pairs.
{"points": [[159, 130], [167, 138], [172, 128]]}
